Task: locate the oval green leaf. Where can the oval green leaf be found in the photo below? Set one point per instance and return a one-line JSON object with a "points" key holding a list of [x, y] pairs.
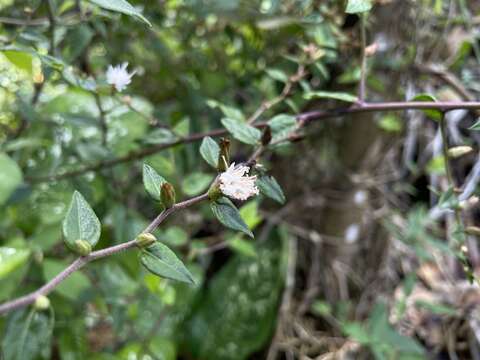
{"points": [[242, 132], [226, 212], [209, 151], [10, 177], [162, 261], [121, 6], [80, 223], [152, 182], [11, 258], [269, 187]]}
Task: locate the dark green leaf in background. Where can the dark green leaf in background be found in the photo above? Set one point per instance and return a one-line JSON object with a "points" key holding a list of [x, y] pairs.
{"points": [[10, 177], [282, 126], [242, 131], [28, 335]]}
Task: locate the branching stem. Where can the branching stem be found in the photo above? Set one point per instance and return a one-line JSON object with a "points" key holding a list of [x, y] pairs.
{"points": [[81, 261]]}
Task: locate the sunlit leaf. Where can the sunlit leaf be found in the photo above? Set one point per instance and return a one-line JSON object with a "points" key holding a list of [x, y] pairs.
{"points": [[152, 182], [209, 151], [121, 6], [81, 222], [11, 259], [358, 6]]}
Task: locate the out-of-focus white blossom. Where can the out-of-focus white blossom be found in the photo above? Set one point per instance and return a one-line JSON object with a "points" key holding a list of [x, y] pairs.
{"points": [[360, 197], [235, 184], [352, 232], [118, 76]]}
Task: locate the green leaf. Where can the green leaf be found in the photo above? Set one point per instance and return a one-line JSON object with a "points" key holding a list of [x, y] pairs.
{"points": [[10, 177], [282, 126], [249, 213], [160, 136], [246, 290], [330, 95], [121, 6], [162, 261], [242, 132], [228, 111], [11, 259], [268, 186], [28, 335], [195, 183], [278, 75], [209, 151], [433, 114], [226, 212], [391, 123], [358, 6], [22, 60], [80, 223], [242, 246], [152, 182], [174, 236]]}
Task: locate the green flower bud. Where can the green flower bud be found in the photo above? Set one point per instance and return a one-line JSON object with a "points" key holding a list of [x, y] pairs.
{"points": [[41, 303], [458, 151], [83, 247], [473, 230], [144, 240], [224, 155], [214, 193], [167, 195]]}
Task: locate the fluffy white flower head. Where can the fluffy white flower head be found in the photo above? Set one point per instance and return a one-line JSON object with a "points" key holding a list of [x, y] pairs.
{"points": [[118, 76], [235, 184]]}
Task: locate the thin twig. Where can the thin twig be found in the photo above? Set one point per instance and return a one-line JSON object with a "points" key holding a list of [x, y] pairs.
{"points": [[102, 117], [363, 68], [268, 104], [302, 118], [81, 261]]}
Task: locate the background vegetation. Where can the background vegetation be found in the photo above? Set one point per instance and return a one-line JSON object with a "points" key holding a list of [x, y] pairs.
{"points": [[364, 239]]}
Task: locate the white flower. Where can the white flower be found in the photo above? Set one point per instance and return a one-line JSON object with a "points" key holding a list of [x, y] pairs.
{"points": [[118, 76], [235, 184]]}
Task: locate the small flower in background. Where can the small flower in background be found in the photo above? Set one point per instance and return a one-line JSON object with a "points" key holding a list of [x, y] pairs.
{"points": [[118, 76], [235, 184]]}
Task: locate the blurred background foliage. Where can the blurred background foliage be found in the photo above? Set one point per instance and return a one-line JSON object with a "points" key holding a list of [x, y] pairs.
{"points": [[353, 265]]}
